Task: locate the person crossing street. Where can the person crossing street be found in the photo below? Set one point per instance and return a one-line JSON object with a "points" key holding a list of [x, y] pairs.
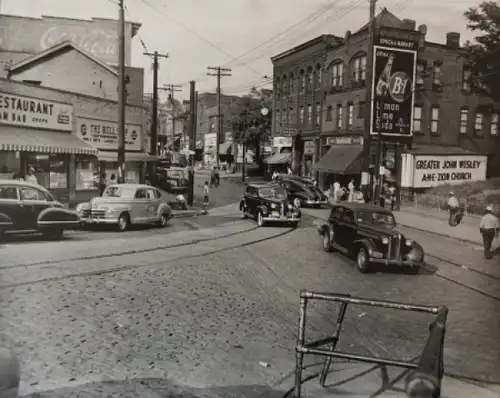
{"points": [[489, 228], [453, 208]]}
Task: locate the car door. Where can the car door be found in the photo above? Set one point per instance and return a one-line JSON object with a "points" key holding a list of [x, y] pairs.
{"points": [[10, 206], [153, 203], [251, 200], [349, 230], [33, 202], [139, 210], [335, 221]]}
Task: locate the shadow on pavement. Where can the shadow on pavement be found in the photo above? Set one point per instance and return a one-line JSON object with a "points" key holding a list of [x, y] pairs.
{"points": [[157, 388]]}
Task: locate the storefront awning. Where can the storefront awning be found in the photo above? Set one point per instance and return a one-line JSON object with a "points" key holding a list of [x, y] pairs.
{"points": [[109, 156], [224, 147], [46, 141], [341, 159], [279, 158]]}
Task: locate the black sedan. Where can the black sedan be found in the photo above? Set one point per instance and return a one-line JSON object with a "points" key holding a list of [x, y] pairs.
{"points": [[302, 191]]}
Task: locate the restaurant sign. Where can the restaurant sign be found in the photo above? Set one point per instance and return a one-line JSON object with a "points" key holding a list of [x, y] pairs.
{"points": [[103, 135], [393, 87], [430, 171], [29, 112]]}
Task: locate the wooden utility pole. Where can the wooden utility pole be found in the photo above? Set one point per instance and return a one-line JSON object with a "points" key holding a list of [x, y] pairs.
{"points": [[368, 101], [121, 92], [192, 138], [172, 89], [219, 73], [154, 119]]}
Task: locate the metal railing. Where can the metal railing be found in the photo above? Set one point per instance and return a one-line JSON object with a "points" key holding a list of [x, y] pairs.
{"points": [[425, 379]]}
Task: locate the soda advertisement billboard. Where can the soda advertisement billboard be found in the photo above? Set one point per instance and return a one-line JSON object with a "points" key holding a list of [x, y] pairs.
{"points": [[393, 87]]}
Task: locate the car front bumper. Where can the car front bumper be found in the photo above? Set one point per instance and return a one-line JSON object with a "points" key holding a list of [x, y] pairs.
{"points": [[402, 263], [283, 219], [99, 220]]}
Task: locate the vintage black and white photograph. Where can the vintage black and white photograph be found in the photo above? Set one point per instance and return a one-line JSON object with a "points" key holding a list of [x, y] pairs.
{"points": [[249, 199]]}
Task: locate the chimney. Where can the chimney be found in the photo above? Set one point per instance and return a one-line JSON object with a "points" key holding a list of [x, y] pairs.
{"points": [[347, 35], [408, 24], [423, 32], [453, 39]]}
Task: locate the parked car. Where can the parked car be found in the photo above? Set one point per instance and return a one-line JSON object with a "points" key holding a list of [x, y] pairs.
{"points": [[369, 234], [269, 203], [26, 207], [122, 205], [175, 180], [302, 191]]}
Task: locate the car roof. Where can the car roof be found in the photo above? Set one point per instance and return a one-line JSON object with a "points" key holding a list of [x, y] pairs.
{"points": [[134, 186], [21, 184], [263, 185], [295, 178], [362, 207]]}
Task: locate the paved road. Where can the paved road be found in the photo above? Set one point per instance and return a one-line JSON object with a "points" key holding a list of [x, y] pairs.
{"points": [[207, 314], [228, 192]]}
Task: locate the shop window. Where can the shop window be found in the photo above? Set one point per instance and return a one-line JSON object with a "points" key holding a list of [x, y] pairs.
{"points": [[494, 124], [417, 119], [10, 164], [478, 124], [51, 171], [87, 173], [435, 120], [464, 116]]}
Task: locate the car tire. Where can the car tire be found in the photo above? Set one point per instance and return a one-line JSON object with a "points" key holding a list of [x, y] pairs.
{"points": [[53, 234], [296, 224], [413, 270], [163, 222], [260, 219], [123, 222], [297, 203], [244, 213], [327, 242], [362, 260]]}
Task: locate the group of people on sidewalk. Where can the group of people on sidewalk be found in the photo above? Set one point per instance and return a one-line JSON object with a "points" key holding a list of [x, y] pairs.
{"points": [[29, 177], [489, 226]]}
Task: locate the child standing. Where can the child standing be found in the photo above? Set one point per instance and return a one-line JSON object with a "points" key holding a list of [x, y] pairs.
{"points": [[205, 197]]}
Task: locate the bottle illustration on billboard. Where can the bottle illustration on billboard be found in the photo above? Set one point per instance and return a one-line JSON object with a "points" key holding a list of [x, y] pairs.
{"points": [[384, 79]]}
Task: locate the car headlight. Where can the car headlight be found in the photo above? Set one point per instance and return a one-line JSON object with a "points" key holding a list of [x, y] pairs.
{"points": [[79, 207], [385, 241], [409, 243], [273, 205]]}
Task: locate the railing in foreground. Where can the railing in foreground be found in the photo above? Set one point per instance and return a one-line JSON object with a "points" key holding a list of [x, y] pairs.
{"points": [[425, 379]]}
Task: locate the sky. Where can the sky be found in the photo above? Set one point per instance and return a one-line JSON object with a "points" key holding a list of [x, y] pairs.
{"points": [[239, 34]]}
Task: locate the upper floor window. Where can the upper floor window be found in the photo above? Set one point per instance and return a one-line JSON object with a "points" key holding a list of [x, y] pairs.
{"points": [[478, 124], [340, 115], [362, 109], [419, 79], [278, 117], [466, 75], [318, 76], [284, 116], [309, 113], [291, 83], [277, 87], [329, 113], [310, 79], [494, 124], [359, 69], [301, 114], [290, 116], [302, 81], [436, 73], [350, 114], [318, 114], [417, 119], [284, 82], [337, 74], [435, 111], [464, 117]]}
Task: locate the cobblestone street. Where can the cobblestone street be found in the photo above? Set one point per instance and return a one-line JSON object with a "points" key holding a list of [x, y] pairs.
{"points": [[185, 317]]}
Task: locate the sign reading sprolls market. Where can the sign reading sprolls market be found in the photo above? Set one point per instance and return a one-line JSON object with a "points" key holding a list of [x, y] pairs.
{"points": [[23, 111], [430, 171], [104, 135]]}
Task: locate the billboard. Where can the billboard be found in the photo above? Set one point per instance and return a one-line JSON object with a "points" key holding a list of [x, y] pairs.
{"points": [[104, 135], [393, 87]]}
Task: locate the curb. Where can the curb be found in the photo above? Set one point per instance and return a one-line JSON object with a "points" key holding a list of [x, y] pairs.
{"points": [[186, 214]]}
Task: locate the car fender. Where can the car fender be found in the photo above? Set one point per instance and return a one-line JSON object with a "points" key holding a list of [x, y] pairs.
{"points": [[263, 208], [366, 243], [417, 252], [164, 208], [83, 206], [326, 228], [57, 216], [5, 221], [242, 204]]}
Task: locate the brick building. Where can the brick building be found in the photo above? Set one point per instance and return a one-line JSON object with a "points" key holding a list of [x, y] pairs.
{"points": [[448, 119]]}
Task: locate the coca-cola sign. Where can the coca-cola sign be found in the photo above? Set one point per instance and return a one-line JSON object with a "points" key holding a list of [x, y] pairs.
{"points": [[102, 43], [393, 87]]}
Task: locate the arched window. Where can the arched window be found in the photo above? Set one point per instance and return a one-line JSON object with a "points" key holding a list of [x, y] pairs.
{"points": [[277, 87], [337, 74], [291, 83], [302, 81], [310, 78], [358, 68], [319, 77], [284, 82]]}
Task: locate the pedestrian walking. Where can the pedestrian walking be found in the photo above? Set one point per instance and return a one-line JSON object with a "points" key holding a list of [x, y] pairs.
{"points": [[217, 176], [351, 188], [336, 191], [392, 196], [212, 177], [453, 208], [489, 228], [206, 191]]}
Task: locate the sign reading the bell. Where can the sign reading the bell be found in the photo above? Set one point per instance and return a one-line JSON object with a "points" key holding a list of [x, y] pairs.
{"points": [[104, 135], [345, 140], [393, 87], [38, 113]]}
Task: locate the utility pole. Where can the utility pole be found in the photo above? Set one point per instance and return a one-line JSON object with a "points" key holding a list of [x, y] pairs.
{"points": [[172, 89], [219, 73], [368, 101], [121, 92], [192, 138], [154, 119]]}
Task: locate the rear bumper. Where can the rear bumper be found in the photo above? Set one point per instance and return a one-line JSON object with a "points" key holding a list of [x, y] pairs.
{"points": [[59, 224]]}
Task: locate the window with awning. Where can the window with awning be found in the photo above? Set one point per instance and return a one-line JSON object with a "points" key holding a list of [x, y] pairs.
{"points": [[341, 159]]}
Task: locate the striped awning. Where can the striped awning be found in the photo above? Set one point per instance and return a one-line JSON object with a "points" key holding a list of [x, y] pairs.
{"points": [[45, 141], [112, 156]]}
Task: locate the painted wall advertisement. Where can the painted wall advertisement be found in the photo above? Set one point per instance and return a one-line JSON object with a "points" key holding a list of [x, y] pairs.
{"points": [[103, 135], [22, 111], [282, 141], [393, 87], [430, 171], [210, 140]]}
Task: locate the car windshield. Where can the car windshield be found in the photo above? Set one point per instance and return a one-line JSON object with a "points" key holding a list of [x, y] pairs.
{"points": [[376, 218], [272, 193], [175, 173], [309, 185], [118, 192]]}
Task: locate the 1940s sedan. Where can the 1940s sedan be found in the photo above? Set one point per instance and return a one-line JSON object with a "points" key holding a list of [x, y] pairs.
{"points": [[269, 203], [122, 205], [26, 207], [369, 234], [302, 191]]}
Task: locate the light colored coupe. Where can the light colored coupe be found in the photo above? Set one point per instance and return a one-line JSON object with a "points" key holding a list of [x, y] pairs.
{"points": [[126, 204]]}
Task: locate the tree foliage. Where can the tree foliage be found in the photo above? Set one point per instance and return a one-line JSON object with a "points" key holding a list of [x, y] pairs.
{"points": [[483, 54]]}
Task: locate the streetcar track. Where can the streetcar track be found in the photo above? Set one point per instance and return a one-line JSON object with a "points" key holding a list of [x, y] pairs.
{"points": [[129, 267], [464, 267]]}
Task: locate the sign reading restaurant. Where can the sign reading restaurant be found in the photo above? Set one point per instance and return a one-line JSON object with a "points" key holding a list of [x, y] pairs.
{"points": [[393, 87], [103, 135], [430, 171], [29, 112]]}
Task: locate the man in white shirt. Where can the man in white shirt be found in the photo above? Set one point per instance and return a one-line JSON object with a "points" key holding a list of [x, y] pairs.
{"points": [[453, 208], [351, 190], [489, 227], [336, 191], [30, 177]]}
